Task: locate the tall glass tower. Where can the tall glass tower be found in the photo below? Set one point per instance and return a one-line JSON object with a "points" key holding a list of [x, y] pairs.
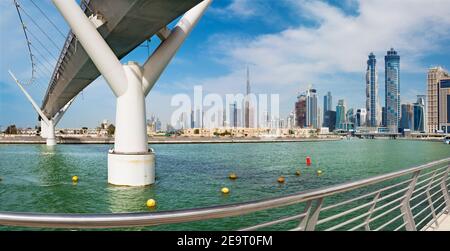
{"points": [[392, 93], [372, 92], [340, 115], [327, 105]]}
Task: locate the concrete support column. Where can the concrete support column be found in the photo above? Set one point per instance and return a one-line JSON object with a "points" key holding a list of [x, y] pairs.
{"points": [[131, 163]]}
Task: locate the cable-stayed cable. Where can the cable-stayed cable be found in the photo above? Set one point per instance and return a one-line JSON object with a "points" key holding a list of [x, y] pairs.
{"points": [[39, 27], [42, 44], [45, 60], [33, 70], [48, 19]]}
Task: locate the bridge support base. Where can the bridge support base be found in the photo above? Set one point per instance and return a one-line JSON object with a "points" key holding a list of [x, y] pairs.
{"points": [[131, 170], [48, 132]]}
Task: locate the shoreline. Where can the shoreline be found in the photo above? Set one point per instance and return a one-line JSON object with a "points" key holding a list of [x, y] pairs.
{"points": [[177, 140], [30, 140]]}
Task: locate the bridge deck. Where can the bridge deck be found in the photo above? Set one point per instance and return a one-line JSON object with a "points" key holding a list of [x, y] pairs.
{"points": [[128, 24]]}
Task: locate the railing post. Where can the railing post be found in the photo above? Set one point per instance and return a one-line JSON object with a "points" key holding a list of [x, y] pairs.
{"points": [[305, 219], [406, 206], [375, 199], [444, 189], [311, 225], [430, 201]]}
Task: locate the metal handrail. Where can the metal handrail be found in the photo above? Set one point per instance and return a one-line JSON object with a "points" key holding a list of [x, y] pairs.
{"points": [[309, 220]]}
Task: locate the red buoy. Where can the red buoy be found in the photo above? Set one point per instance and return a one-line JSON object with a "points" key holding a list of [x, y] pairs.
{"points": [[308, 161]]}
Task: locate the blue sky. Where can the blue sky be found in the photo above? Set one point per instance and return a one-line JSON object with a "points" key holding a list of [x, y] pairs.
{"points": [[289, 44]]}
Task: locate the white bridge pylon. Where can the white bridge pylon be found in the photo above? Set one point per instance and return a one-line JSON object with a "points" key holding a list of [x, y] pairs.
{"points": [[131, 162], [47, 124]]}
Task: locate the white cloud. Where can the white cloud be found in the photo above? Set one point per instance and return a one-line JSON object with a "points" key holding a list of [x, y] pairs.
{"points": [[239, 8], [337, 43]]}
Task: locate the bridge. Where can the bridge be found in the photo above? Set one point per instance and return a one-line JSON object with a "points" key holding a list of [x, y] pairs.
{"points": [[102, 33]]}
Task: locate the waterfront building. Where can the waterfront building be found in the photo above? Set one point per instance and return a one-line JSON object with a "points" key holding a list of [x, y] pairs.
{"points": [[330, 120], [435, 75], [290, 121], [407, 120], [372, 102], [319, 118], [192, 119], [242, 132], [340, 115], [327, 105], [360, 118], [383, 116], [248, 106], [350, 116], [419, 114], [311, 108], [444, 105], [300, 111], [392, 90], [233, 115]]}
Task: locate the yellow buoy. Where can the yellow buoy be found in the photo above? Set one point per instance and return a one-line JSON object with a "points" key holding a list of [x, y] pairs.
{"points": [[151, 203], [225, 190], [232, 176], [319, 172], [281, 179], [298, 173], [75, 179]]}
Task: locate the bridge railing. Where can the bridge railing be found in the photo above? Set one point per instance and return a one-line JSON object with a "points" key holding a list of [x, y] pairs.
{"points": [[413, 199]]}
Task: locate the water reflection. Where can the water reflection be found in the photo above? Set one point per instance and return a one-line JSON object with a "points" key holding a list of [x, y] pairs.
{"points": [[129, 199]]}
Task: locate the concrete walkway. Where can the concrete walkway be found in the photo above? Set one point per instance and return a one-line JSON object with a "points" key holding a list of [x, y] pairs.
{"points": [[444, 223]]}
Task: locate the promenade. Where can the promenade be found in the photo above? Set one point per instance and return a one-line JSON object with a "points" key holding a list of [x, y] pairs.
{"points": [[158, 140]]}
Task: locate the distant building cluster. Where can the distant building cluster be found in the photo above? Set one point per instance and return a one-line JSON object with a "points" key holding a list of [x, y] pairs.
{"points": [[429, 114], [154, 125]]}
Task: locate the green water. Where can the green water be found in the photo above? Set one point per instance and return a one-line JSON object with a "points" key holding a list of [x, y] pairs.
{"points": [[38, 179]]}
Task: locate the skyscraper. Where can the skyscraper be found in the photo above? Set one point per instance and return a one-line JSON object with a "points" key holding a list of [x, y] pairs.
{"points": [[407, 121], [330, 120], [300, 111], [383, 116], [444, 105], [372, 102], [233, 115], [419, 114], [340, 115], [392, 91], [247, 101], [350, 116], [435, 75], [360, 119], [312, 110], [327, 105]]}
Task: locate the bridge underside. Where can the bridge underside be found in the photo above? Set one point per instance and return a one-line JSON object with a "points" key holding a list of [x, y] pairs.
{"points": [[128, 24]]}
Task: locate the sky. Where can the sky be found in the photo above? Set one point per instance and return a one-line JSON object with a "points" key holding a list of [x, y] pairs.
{"points": [[288, 45]]}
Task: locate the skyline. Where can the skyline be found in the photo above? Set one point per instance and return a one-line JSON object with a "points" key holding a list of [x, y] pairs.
{"points": [[302, 51]]}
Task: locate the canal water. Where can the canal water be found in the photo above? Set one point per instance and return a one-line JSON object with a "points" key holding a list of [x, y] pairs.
{"points": [[38, 179]]}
